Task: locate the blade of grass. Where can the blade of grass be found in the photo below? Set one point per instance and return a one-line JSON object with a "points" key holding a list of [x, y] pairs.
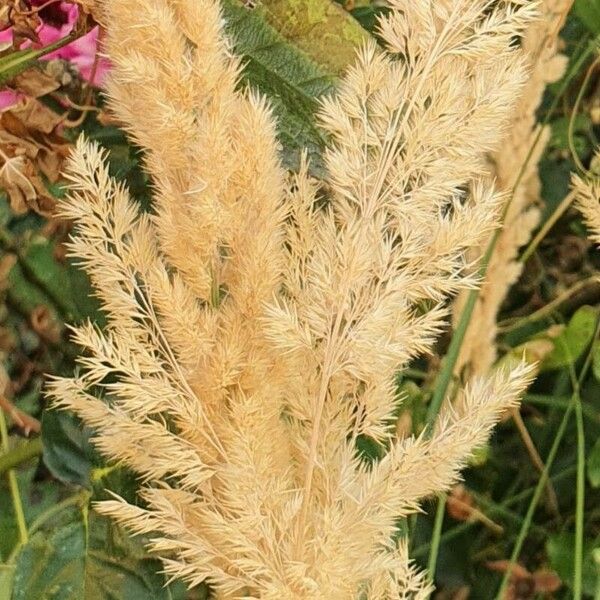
{"points": [[578, 558], [493, 510], [18, 61], [579, 502]]}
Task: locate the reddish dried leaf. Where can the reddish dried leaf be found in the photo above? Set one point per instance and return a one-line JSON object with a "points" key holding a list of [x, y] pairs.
{"points": [[546, 581], [460, 503], [44, 324]]}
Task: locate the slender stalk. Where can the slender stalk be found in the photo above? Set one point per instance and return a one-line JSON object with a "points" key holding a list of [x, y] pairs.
{"points": [[441, 388], [513, 323], [20, 454], [437, 535], [578, 560], [14, 486], [81, 498], [579, 501], [445, 376], [548, 225], [493, 510], [570, 131], [539, 488]]}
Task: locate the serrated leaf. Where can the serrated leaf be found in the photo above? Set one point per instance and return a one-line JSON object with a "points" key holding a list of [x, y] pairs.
{"points": [[322, 29], [83, 556], [570, 344], [588, 12], [291, 81]]}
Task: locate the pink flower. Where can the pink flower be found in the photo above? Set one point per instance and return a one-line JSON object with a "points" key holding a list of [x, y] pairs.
{"points": [[8, 98], [58, 21]]}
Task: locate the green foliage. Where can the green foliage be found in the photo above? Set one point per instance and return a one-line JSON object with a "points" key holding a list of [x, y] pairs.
{"points": [[321, 29], [561, 549], [588, 12], [80, 555], [573, 340], [67, 449], [291, 80], [593, 465]]}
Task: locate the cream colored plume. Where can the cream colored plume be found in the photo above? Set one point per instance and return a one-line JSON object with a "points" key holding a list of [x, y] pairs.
{"points": [[256, 320], [514, 167], [587, 199]]}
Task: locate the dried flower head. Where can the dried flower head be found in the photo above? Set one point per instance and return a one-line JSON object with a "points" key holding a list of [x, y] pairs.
{"points": [[587, 199], [255, 320], [514, 167]]}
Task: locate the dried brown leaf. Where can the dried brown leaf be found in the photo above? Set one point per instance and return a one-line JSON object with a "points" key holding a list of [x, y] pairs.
{"points": [[524, 585], [36, 82], [44, 324], [24, 22]]}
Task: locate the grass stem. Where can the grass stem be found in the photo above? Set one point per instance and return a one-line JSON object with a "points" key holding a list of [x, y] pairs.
{"points": [[13, 486]]}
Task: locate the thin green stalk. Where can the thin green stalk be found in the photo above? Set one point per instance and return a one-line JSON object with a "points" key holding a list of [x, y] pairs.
{"points": [[14, 486], [443, 382], [570, 136], [548, 225], [596, 557], [22, 453], [81, 498], [437, 535], [493, 510], [578, 559], [560, 403], [539, 488], [547, 310], [579, 501], [445, 376]]}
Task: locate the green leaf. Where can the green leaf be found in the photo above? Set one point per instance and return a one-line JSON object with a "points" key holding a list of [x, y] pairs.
{"points": [[322, 29], [588, 12], [26, 295], [16, 62], [593, 465], [573, 340], [561, 550], [38, 279], [64, 284], [287, 76], [67, 449], [80, 555], [36, 497]]}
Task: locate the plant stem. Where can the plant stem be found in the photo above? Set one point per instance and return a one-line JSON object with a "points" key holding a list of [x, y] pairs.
{"points": [[14, 486], [493, 510], [437, 535], [550, 222], [534, 501], [445, 375], [82, 497], [32, 447], [578, 559], [579, 500], [571, 128]]}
